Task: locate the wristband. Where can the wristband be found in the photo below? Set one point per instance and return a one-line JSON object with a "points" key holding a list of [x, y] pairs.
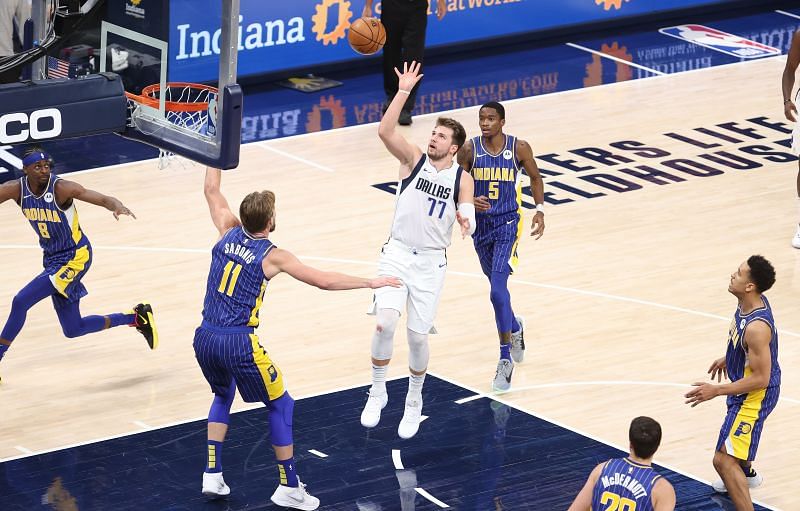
{"points": [[540, 208], [407, 93]]}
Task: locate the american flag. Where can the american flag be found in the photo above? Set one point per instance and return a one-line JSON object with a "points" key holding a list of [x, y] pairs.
{"points": [[57, 68]]}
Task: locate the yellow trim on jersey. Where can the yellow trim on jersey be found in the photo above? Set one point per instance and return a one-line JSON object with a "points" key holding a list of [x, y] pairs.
{"points": [[77, 234], [270, 374], [282, 473], [254, 313], [67, 273], [739, 437], [514, 260]]}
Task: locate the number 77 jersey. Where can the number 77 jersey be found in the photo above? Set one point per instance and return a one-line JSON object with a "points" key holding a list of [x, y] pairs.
{"points": [[426, 206], [236, 283]]}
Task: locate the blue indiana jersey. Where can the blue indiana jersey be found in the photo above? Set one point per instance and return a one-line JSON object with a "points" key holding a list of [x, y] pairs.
{"points": [[624, 484], [236, 282], [58, 229], [497, 176], [736, 354]]}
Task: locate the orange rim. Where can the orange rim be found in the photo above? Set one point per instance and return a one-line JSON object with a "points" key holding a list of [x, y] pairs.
{"points": [[148, 97]]}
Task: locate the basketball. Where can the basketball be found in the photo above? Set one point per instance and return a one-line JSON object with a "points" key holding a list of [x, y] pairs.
{"points": [[366, 35]]}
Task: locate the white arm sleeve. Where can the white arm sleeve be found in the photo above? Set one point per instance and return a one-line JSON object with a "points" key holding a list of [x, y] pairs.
{"points": [[467, 210]]}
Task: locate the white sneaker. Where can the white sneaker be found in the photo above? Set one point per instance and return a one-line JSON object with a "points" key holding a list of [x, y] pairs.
{"points": [[295, 498], [412, 416], [214, 485], [752, 481], [796, 239], [518, 341], [371, 415]]}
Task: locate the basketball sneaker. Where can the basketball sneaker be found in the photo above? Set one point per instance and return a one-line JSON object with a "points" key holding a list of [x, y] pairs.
{"points": [[145, 324], [502, 378], [214, 485], [371, 415], [412, 416], [518, 341], [294, 497], [796, 239], [753, 481]]}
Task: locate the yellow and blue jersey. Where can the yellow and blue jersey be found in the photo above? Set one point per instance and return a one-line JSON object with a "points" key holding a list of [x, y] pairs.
{"points": [[497, 176], [236, 282], [736, 353], [58, 229], [624, 484], [67, 251], [498, 230], [744, 423]]}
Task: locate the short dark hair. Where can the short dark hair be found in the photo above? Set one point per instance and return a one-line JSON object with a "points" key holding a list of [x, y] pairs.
{"points": [[762, 273], [256, 210], [501, 111], [32, 149], [459, 133], [645, 436]]}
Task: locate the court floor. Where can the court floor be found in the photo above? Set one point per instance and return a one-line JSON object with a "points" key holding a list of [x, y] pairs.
{"points": [[657, 190]]}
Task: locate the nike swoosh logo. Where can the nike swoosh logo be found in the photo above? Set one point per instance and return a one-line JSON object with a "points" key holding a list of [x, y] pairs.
{"points": [[510, 222], [144, 320], [481, 155], [442, 265]]}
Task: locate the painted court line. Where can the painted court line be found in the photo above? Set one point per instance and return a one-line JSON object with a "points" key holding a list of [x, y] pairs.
{"points": [[397, 460], [318, 453], [23, 449], [295, 157], [430, 497], [468, 399], [617, 59], [142, 425], [788, 14]]}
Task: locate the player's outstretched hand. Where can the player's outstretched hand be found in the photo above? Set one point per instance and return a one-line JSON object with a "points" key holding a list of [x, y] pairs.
{"points": [[701, 392], [409, 77], [482, 204], [122, 210], [464, 223], [718, 369], [384, 282]]}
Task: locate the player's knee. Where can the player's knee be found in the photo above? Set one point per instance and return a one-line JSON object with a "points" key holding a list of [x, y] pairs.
{"points": [[281, 411], [386, 323], [71, 331], [721, 460], [498, 295], [19, 302]]}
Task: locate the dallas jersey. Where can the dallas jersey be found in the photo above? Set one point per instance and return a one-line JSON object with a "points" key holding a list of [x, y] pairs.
{"points": [[498, 177], [58, 229], [426, 206], [236, 283], [624, 484]]}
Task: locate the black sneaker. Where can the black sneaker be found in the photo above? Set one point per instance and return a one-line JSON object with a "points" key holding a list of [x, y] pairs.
{"points": [[405, 118], [145, 324]]}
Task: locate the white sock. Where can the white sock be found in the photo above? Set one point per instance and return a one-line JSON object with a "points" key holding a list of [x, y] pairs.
{"points": [[415, 383], [379, 379]]}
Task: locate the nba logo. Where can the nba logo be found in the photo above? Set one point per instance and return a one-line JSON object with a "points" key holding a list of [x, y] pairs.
{"points": [[721, 41], [211, 121]]}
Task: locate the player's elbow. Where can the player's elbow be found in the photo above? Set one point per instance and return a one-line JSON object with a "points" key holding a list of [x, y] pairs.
{"points": [[385, 130]]}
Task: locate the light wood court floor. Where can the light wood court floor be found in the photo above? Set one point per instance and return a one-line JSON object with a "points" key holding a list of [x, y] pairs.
{"points": [[625, 296]]}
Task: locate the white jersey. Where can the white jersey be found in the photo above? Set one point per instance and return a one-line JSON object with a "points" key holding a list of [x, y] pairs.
{"points": [[426, 206]]}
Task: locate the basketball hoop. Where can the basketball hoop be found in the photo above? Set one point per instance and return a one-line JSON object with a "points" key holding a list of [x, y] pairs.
{"points": [[189, 106]]}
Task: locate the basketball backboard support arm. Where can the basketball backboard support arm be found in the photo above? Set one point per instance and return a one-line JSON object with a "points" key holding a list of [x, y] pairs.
{"points": [[39, 17]]}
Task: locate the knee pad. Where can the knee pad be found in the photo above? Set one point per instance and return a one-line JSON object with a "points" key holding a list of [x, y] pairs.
{"points": [[281, 411], [383, 340]]}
